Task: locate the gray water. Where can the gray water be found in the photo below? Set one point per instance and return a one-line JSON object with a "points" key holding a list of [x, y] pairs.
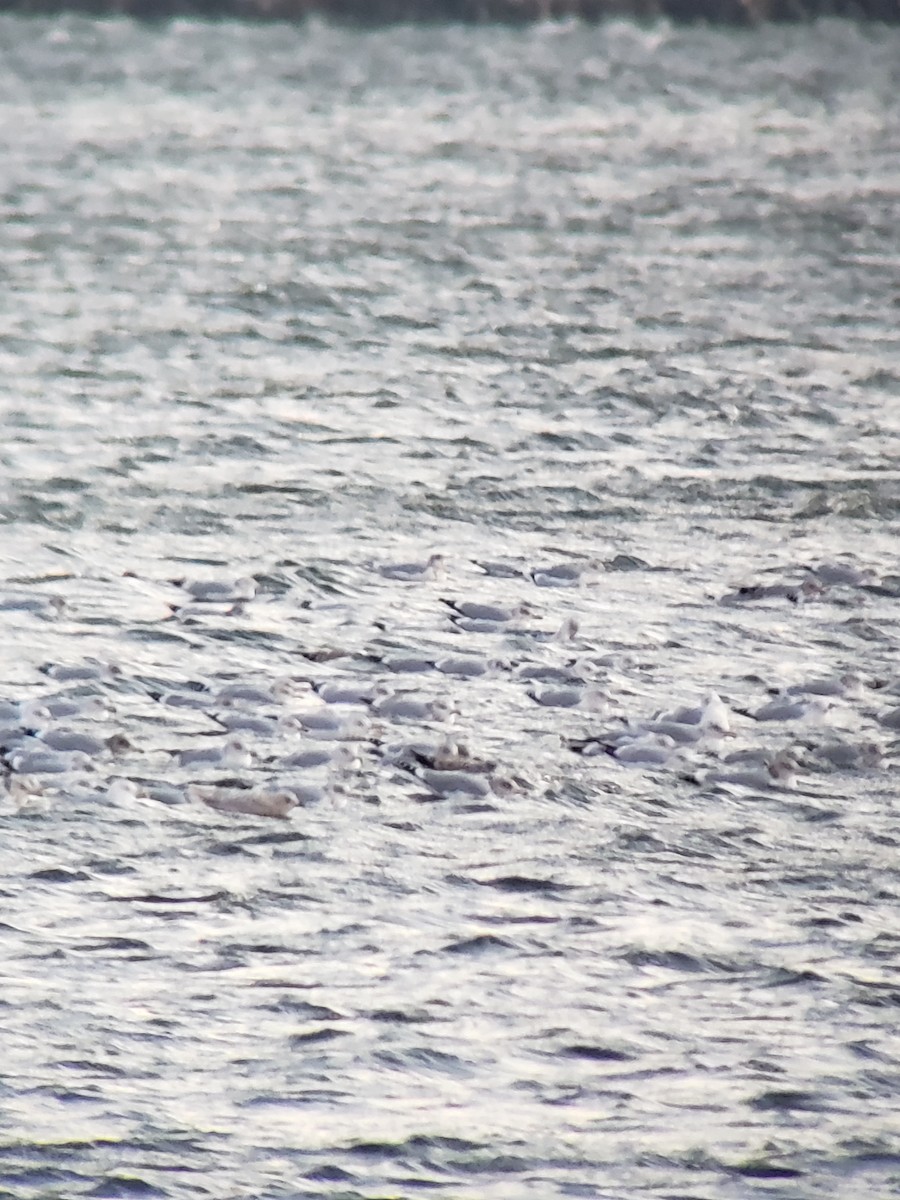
{"points": [[296, 303]]}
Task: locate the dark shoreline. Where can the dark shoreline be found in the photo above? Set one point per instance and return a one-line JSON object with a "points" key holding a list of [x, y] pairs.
{"points": [[510, 12]]}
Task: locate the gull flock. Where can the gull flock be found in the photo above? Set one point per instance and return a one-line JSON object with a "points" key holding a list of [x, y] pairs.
{"points": [[435, 700]]}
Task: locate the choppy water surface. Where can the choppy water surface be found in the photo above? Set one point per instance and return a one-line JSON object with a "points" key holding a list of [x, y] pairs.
{"points": [[606, 318]]}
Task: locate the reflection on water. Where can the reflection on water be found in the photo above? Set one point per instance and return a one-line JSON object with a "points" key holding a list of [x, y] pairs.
{"points": [[605, 318]]}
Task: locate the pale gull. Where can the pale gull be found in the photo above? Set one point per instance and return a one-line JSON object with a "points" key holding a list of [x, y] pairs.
{"points": [[777, 772], [233, 752], [850, 756], [47, 762], [404, 706], [837, 574], [453, 783], [788, 709], [414, 572], [218, 591], [262, 802], [651, 750], [496, 614], [345, 691], [561, 696], [559, 575], [848, 686]]}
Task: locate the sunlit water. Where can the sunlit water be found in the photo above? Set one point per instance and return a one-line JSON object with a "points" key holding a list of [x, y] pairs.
{"points": [[295, 303]]}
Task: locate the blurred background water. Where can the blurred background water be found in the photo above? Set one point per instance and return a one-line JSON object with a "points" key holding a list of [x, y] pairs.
{"points": [[295, 302]]}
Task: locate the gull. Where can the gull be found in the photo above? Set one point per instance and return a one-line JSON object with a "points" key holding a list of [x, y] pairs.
{"points": [[263, 802], [27, 792], [161, 793], [47, 762], [218, 591], [345, 691], [777, 772], [786, 709], [494, 614], [713, 715], [247, 693], [73, 739], [469, 667], [834, 573], [241, 722], [403, 706], [451, 755], [448, 755], [569, 697], [645, 751], [234, 752], [325, 724], [558, 575], [80, 673], [341, 764], [77, 706], [306, 794], [122, 791], [414, 572], [453, 783], [681, 734], [305, 760], [849, 756], [849, 686], [499, 570], [539, 673], [795, 593]]}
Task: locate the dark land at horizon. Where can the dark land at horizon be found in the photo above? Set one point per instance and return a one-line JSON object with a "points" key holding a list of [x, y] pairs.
{"points": [[377, 12]]}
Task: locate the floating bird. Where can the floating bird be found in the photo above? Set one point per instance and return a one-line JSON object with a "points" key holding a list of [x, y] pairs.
{"points": [[218, 591], [848, 686], [403, 706], [787, 709], [262, 802], [499, 570], [468, 666], [414, 572], [453, 783], [233, 753], [345, 691], [777, 772], [495, 614], [837, 574], [558, 575], [649, 750], [850, 756], [713, 715], [47, 762], [562, 696]]}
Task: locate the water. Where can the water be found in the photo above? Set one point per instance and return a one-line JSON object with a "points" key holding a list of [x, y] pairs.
{"points": [[292, 303]]}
